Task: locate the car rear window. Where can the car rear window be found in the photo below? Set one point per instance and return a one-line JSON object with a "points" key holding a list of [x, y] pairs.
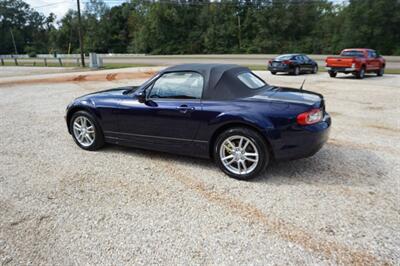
{"points": [[251, 80], [284, 57], [353, 53]]}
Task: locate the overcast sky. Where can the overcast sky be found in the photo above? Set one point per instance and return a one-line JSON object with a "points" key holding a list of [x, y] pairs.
{"points": [[60, 7]]}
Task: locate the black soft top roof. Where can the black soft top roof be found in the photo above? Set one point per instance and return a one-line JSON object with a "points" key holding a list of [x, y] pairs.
{"points": [[220, 80]]}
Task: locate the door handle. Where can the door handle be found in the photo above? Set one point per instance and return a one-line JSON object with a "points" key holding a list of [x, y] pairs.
{"points": [[185, 109]]}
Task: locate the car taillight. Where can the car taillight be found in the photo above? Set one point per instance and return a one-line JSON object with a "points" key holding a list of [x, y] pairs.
{"points": [[311, 117], [353, 65], [286, 62]]}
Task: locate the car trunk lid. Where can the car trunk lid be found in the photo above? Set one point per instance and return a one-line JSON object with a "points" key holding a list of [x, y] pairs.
{"points": [[290, 95]]}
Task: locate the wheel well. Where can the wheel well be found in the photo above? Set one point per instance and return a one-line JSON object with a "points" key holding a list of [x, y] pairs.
{"points": [[362, 66], [73, 111], [233, 125]]}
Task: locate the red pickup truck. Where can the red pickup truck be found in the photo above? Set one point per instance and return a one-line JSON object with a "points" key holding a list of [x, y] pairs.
{"points": [[357, 62]]}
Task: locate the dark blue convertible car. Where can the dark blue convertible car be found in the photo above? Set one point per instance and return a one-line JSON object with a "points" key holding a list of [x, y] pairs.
{"points": [[218, 111]]}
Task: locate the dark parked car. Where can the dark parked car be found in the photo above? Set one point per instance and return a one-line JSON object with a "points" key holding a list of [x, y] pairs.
{"points": [[225, 112], [292, 63]]}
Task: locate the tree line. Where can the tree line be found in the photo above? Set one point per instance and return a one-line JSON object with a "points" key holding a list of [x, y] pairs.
{"points": [[205, 27]]}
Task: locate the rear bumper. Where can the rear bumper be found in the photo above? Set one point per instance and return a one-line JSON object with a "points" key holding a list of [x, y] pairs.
{"points": [[302, 141], [341, 69], [284, 68]]}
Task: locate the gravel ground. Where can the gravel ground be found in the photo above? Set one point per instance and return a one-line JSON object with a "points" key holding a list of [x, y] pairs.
{"points": [[62, 205]]}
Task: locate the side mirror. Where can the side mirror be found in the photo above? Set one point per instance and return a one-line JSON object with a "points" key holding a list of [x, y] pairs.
{"points": [[141, 96]]}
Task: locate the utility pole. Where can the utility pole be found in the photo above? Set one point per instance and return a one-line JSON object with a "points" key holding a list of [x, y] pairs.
{"points": [[15, 46], [239, 32], [80, 33]]}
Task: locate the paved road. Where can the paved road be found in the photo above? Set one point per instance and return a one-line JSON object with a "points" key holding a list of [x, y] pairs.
{"points": [[12, 71], [393, 62]]}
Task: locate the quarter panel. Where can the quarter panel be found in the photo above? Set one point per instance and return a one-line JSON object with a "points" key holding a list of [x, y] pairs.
{"points": [[271, 119]]}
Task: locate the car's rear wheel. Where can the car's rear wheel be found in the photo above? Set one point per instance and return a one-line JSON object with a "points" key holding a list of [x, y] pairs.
{"points": [[315, 70], [241, 153], [273, 72], [86, 131], [361, 73], [332, 74], [381, 71]]}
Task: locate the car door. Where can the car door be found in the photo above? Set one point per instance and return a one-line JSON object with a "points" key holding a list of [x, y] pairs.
{"points": [[369, 61], [302, 63], [168, 119], [372, 62]]}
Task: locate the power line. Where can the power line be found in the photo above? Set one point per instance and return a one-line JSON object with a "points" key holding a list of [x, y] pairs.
{"points": [[52, 4], [181, 3], [80, 33]]}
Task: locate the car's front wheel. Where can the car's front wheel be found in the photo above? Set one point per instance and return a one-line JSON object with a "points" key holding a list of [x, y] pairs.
{"points": [[241, 153], [86, 131], [360, 74]]}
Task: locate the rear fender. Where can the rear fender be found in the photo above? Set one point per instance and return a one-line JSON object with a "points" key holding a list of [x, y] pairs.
{"points": [[258, 121]]}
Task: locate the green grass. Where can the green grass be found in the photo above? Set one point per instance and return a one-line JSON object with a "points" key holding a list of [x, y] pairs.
{"points": [[39, 64], [70, 64]]}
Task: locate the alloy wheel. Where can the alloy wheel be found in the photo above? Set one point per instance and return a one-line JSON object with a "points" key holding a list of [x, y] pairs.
{"points": [[84, 131], [239, 155]]}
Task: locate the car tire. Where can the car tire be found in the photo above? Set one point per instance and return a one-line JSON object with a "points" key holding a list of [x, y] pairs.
{"points": [[332, 74], [380, 72], [86, 131], [360, 74], [232, 160], [296, 71], [273, 72], [315, 69]]}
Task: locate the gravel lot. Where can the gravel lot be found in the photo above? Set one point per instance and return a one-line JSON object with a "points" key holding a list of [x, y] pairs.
{"points": [[62, 205]]}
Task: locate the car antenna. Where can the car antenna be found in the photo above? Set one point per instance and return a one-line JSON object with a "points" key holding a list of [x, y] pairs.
{"points": [[301, 87]]}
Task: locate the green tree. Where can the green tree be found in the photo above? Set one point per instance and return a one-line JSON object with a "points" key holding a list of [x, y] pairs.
{"points": [[373, 24], [205, 26], [29, 28]]}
